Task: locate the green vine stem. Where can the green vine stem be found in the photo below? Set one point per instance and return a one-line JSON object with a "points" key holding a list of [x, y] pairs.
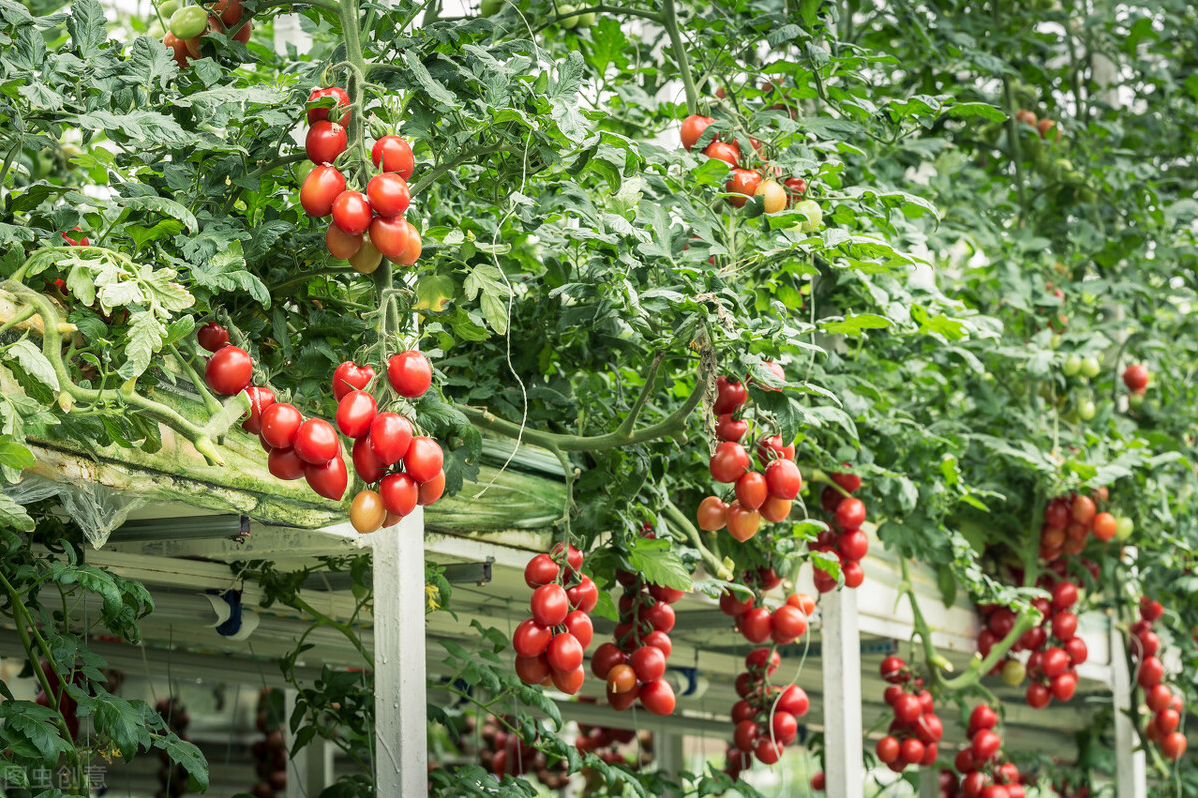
{"points": [[669, 20], [211, 403], [712, 561]]}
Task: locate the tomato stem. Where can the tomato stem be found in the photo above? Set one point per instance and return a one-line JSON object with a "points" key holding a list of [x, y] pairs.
{"points": [[669, 20]]}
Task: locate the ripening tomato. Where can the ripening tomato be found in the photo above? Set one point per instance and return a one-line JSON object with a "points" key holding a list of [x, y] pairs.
{"points": [[316, 442], [431, 490], [260, 399], [390, 438], [756, 624], [743, 182], [729, 462], [532, 670], [366, 465], [340, 243], [621, 678], [280, 422], [571, 682], [411, 252], [242, 34], [1083, 509], [389, 234], [388, 194], [350, 376], [783, 479], [229, 370], [367, 513], [212, 336], [355, 413], [692, 129], [285, 464], [393, 154], [410, 373], [1173, 745], [772, 194], [658, 697], [712, 514], [775, 510], [742, 523], [338, 94], [177, 48], [400, 493], [367, 259], [325, 141], [1104, 526], [322, 185], [352, 212], [796, 187], [424, 460], [1135, 377], [328, 480], [721, 150], [751, 490], [850, 514], [730, 394]]}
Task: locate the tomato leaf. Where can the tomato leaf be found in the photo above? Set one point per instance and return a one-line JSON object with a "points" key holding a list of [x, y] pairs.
{"points": [[659, 564]]}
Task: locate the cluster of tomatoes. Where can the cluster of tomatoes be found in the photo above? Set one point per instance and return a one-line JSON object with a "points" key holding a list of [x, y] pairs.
{"points": [[914, 734], [759, 624], [766, 493], [745, 183], [845, 539], [172, 777], [982, 775], [549, 646], [189, 23], [634, 665], [366, 226], [508, 753], [1069, 521], [1166, 708], [1047, 128], [270, 755]]}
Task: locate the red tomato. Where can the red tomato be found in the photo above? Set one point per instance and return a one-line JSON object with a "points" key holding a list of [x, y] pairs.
{"points": [[606, 657], [850, 514], [1064, 686], [1055, 662], [578, 623], [285, 464], [1135, 377], [431, 490], [789, 623], [352, 212], [316, 442], [751, 490], [929, 728], [212, 336], [775, 510], [1151, 672], [649, 662], [661, 615], [355, 413], [320, 188], [328, 480], [242, 34], [894, 670], [742, 523], [415, 246], [729, 429], [410, 373], [260, 399], [229, 370], [729, 462], [424, 460], [887, 750], [583, 596], [658, 640], [1064, 625], [389, 234], [794, 700], [1077, 651], [767, 751], [1157, 697], [366, 465], [569, 683], [853, 573], [730, 395], [325, 141], [1173, 745], [771, 448], [756, 625], [907, 708], [745, 736], [783, 479], [339, 95], [390, 438], [743, 182], [732, 604], [530, 638], [341, 244], [985, 745], [399, 492], [1150, 610], [796, 187], [853, 545], [759, 658], [348, 377], [692, 128], [658, 697], [541, 570], [850, 482], [982, 717], [1064, 595], [532, 670], [712, 514], [728, 153], [388, 194], [785, 727], [393, 154], [280, 422], [565, 652], [549, 604]]}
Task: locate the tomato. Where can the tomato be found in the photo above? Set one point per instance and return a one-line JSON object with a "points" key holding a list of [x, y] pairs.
{"points": [[340, 243], [322, 185], [729, 429], [339, 95], [658, 640], [390, 438], [732, 604], [787, 624], [730, 395], [767, 751], [796, 187], [573, 556], [985, 745], [1157, 697], [367, 259], [189, 22], [280, 422], [178, 50], [729, 462], [1150, 610], [1064, 625], [785, 727], [260, 399], [774, 510], [532, 670], [853, 545], [1151, 672], [423, 461], [565, 652], [751, 490], [583, 596], [887, 750], [728, 153], [1149, 643], [1064, 686], [894, 670], [350, 376], [355, 413], [1083, 509], [661, 615], [665, 594], [352, 212], [549, 604], [316, 442], [242, 34], [850, 514], [907, 708], [366, 465], [606, 657], [1055, 662], [285, 464], [541, 570], [814, 214], [772, 194], [853, 573], [783, 479], [712, 514], [745, 735], [393, 154], [1056, 513], [415, 246], [389, 235], [1135, 377], [388, 193], [1075, 647], [1173, 745], [1064, 595], [658, 697], [743, 182], [742, 523], [325, 141], [756, 625], [771, 448], [692, 128], [212, 336], [763, 659], [229, 11], [569, 683], [366, 514], [530, 639], [819, 782], [410, 373], [1104, 526], [794, 700], [431, 490], [578, 623], [911, 751], [229, 370], [621, 678], [328, 480], [649, 662]]}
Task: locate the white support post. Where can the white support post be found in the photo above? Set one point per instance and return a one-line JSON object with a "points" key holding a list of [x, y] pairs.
{"points": [[311, 769], [842, 695], [400, 722], [668, 751], [1131, 766]]}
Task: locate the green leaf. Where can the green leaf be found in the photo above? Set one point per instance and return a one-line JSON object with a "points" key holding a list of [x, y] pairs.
{"points": [[33, 363], [854, 325], [659, 564], [145, 338], [420, 73], [487, 283], [984, 110], [168, 207]]}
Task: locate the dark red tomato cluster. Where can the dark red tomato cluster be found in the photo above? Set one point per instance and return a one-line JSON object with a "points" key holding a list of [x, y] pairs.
{"points": [[759, 493], [759, 624], [635, 664], [367, 225], [506, 752], [1069, 520], [1162, 704], [845, 538], [605, 743], [914, 734], [224, 16], [549, 646], [982, 774], [1135, 376], [269, 754], [743, 182], [766, 716]]}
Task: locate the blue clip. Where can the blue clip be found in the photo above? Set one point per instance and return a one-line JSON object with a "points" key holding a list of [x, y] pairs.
{"points": [[233, 625], [692, 680]]}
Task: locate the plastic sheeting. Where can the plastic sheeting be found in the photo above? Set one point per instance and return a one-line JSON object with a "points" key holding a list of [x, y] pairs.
{"points": [[97, 508]]}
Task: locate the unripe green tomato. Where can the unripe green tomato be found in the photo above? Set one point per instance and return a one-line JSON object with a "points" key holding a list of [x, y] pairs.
{"points": [[814, 214], [569, 20], [586, 20], [189, 22], [489, 8], [1013, 672], [1124, 526], [1055, 341], [302, 169], [1073, 364], [1063, 165], [155, 31], [1090, 366], [1135, 401], [1087, 410], [1087, 194], [167, 7]]}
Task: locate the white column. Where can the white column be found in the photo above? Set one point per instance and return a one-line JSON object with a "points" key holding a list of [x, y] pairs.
{"points": [[668, 751], [1131, 769], [401, 734], [841, 643]]}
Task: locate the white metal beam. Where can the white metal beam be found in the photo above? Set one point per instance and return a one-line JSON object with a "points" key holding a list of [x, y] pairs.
{"points": [[1131, 766], [842, 695]]}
